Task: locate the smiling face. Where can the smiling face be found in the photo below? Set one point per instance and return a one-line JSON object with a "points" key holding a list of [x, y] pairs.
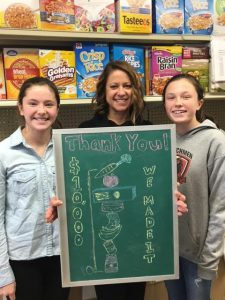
{"points": [[181, 104], [39, 109], [118, 95]]}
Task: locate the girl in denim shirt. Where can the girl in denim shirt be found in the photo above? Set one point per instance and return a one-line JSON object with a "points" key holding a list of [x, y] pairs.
{"points": [[29, 247]]}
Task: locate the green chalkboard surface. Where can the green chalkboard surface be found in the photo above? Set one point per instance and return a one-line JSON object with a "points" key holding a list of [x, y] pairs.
{"points": [[118, 222]]}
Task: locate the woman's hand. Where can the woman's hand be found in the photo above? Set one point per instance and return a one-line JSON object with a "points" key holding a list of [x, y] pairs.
{"points": [[51, 213], [181, 205], [8, 291]]}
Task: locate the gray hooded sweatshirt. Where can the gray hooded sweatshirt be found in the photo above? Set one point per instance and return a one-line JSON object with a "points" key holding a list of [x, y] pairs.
{"points": [[201, 174]]}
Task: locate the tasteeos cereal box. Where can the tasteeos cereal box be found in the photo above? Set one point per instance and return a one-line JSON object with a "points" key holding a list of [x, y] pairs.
{"points": [[134, 16], [134, 55], [59, 67], [91, 59], [219, 17], [166, 62], [2, 79], [95, 15], [57, 15], [198, 17], [20, 64], [22, 14], [168, 16]]}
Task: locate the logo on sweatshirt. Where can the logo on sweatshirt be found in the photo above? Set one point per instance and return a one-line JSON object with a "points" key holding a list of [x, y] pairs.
{"points": [[183, 163]]}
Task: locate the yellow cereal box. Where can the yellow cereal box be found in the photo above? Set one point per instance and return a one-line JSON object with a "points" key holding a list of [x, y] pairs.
{"points": [[59, 67], [2, 79], [57, 15], [22, 14], [20, 64], [134, 16]]}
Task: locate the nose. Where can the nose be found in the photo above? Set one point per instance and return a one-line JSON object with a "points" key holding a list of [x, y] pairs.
{"points": [[178, 101], [41, 109], [121, 90]]}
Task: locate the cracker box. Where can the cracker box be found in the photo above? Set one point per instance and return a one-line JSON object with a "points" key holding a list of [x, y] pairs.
{"points": [[20, 64], [91, 59], [166, 62], [219, 17], [95, 15], [134, 55], [22, 14], [59, 67], [168, 16], [198, 17], [57, 15], [134, 16], [2, 79]]}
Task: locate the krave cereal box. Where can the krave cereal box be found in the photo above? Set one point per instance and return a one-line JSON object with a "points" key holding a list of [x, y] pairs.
{"points": [[59, 67], [91, 59]]}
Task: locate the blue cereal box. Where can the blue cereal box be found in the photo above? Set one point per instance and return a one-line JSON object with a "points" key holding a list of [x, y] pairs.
{"points": [[198, 17], [91, 58], [168, 16], [134, 55]]}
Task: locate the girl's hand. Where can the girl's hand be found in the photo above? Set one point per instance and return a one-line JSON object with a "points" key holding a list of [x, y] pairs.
{"points": [[8, 291], [181, 205], [51, 213]]}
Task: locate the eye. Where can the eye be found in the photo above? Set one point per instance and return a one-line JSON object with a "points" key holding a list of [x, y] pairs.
{"points": [[50, 104], [128, 86], [32, 103], [113, 86]]}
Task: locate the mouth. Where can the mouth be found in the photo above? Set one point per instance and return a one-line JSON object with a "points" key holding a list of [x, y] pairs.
{"points": [[178, 112]]}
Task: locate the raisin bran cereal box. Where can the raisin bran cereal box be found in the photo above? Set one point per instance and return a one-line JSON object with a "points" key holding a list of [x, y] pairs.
{"points": [[59, 67], [134, 55], [219, 17], [134, 16], [91, 58], [166, 62], [168, 16], [2, 79], [22, 14], [95, 15], [20, 65], [198, 17], [57, 15]]}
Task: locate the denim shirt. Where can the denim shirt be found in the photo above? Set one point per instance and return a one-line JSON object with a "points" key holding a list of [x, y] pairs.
{"points": [[27, 182]]}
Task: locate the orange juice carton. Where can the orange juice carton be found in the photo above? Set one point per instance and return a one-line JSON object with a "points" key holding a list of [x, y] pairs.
{"points": [[219, 17], [95, 15], [2, 79], [198, 17], [22, 14], [166, 62], [57, 15], [134, 55], [91, 58], [20, 64], [168, 16], [134, 16], [59, 67]]}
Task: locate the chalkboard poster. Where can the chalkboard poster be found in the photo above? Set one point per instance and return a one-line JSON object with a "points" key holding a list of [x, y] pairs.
{"points": [[118, 222]]}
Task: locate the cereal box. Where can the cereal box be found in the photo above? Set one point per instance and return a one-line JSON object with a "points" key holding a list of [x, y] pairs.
{"points": [[20, 64], [168, 16], [95, 15], [22, 14], [195, 52], [199, 68], [219, 17], [134, 55], [2, 79], [59, 67], [57, 15], [148, 71], [166, 62], [134, 16], [198, 17], [91, 59]]}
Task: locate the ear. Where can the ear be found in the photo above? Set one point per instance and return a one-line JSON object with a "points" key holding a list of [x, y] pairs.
{"points": [[200, 103], [20, 108]]}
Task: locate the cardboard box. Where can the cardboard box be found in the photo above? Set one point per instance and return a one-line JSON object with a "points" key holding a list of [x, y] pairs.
{"points": [[2, 79], [20, 64], [195, 52], [59, 67], [219, 17]]}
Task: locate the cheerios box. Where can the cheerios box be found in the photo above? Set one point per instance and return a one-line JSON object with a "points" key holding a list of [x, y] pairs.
{"points": [[22, 14], [134, 55], [91, 59], [168, 16], [198, 17], [219, 17], [2, 79], [166, 62], [59, 67], [20, 64], [95, 15], [57, 15], [134, 16]]}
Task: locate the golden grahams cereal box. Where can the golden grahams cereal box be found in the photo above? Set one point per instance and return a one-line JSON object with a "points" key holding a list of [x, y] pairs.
{"points": [[2, 79]]}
